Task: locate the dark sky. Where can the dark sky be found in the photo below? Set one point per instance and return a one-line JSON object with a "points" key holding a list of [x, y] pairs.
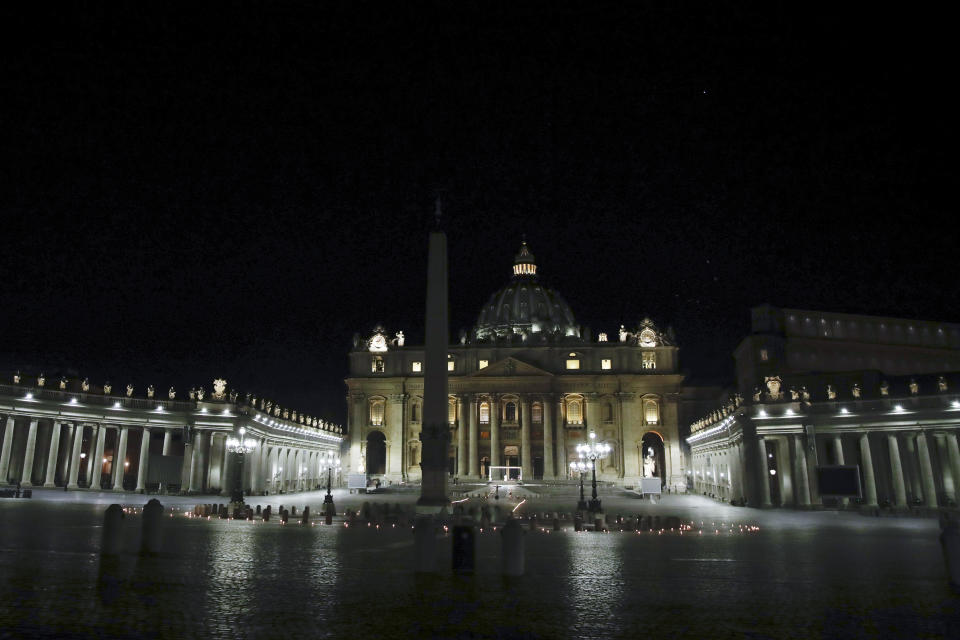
{"points": [[193, 190]]}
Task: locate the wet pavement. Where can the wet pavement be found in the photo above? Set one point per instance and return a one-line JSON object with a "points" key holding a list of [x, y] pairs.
{"points": [[821, 574]]}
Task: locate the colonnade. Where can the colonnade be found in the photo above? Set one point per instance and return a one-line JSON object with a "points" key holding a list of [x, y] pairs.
{"points": [[897, 467], [58, 452]]}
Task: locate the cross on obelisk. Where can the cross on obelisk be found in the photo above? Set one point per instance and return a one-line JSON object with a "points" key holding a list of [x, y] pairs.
{"points": [[435, 434]]}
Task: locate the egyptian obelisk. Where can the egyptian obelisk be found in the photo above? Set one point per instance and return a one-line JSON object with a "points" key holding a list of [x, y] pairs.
{"points": [[435, 435]]}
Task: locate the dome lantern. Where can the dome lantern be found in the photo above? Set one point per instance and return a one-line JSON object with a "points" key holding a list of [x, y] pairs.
{"points": [[523, 262]]}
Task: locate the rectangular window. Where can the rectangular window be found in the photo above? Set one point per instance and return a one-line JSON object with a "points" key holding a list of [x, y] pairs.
{"points": [[606, 364], [376, 365], [649, 360], [573, 364], [484, 364], [416, 367], [449, 365], [484, 413], [484, 435], [764, 355]]}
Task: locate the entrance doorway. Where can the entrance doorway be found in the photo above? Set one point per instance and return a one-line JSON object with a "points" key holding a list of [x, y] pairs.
{"points": [[651, 456], [376, 453]]}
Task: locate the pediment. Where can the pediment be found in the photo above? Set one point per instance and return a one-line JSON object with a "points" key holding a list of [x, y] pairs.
{"points": [[509, 368]]}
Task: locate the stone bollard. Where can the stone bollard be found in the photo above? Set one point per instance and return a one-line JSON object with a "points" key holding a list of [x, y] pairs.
{"points": [[150, 537], [598, 524], [556, 523], [266, 514], [249, 513], [293, 511], [305, 519], [950, 542], [425, 544], [284, 516], [513, 548], [578, 522], [112, 528], [258, 509], [464, 550]]}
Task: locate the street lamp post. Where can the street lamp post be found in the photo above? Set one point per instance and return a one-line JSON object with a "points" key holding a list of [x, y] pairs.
{"points": [[330, 461], [593, 451], [239, 447], [581, 466]]}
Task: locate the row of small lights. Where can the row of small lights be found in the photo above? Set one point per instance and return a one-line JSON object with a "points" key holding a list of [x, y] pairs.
{"points": [[280, 425], [897, 408], [119, 405]]}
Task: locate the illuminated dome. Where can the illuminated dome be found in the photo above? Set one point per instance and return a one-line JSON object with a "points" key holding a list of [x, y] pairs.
{"points": [[525, 306]]}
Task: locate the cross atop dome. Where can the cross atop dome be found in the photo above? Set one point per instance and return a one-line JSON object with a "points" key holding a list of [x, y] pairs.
{"points": [[524, 263]]}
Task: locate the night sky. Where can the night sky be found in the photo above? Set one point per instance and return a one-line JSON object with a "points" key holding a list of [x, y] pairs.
{"points": [[194, 190]]}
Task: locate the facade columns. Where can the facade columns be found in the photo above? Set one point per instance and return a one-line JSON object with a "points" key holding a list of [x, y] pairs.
{"points": [[199, 461], [186, 470], [803, 480], [144, 458], [926, 471], [120, 459], [838, 459], [913, 467], [95, 479], [461, 406], [561, 442], [764, 470], [7, 448], [50, 480], [896, 471], [495, 448], [526, 457], [167, 441], [953, 452], [870, 483], [946, 471], [64, 462], [549, 473], [27, 474], [75, 456], [474, 453], [91, 451]]}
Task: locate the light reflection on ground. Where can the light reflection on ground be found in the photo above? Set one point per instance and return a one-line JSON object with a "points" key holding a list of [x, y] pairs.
{"points": [[802, 574]]}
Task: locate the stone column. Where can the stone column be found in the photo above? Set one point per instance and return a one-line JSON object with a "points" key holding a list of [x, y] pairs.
{"points": [[186, 470], [803, 480], [838, 448], [561, 442], [913, 466], [945, 469], [49, 481], [27, 475], [75, 457], [5, 452], [526, 455], [200, 440], [119, 459], [144, 459], [896, 472], [548, 469], [926, 471], [474, 439], [226, 478], [870, 484], [953, 452], [495, 448], [764, 470], [167, 441], [462, 407], [64, 462], [91, 452], [359, 415], [95, 478]]}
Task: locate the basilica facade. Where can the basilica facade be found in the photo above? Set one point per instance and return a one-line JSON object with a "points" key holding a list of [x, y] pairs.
{"points": [[526, 385]]}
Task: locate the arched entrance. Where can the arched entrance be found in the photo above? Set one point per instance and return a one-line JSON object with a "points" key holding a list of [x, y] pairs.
{"points": [[376, 453], [651, 456]]}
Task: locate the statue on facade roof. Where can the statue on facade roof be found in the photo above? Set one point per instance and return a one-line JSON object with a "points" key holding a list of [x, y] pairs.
{"points": [[219, 389], [941, 384], [276, 410], [63, 383], [804, 394], [172, 393], [773, 386], [41, 380], [129, 390], [737, 399], [794, 394], [293, 416], [107, 388], [914, 387], [16, 378], [200, 393], [831, 392], [855, 391], [756, 394], [399, 338], [85, 385], [623, 334], [192, 394], [233, 397], [884, 388], [150, 391]]}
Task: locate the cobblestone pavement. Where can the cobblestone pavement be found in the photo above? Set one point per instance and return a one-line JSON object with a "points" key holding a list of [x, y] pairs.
{"points": [[820, 574]]}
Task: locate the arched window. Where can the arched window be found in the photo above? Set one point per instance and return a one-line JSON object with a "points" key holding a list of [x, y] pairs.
{"points": [[651, 412], [607, 412], [574, 412], [536, 413], [415, 412], [452, 411], [376, 412], [484, 413], [510, 412]]}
